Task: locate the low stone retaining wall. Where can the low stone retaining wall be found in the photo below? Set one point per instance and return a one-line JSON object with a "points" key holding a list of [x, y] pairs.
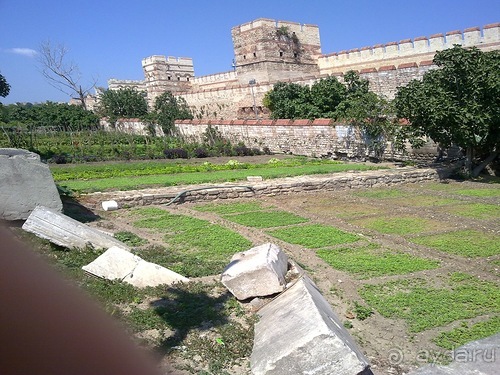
{"points": [[330, 182]]}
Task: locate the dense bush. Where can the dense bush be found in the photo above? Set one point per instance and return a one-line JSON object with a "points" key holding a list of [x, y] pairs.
{"points": [[201, 152], [175, 153]]}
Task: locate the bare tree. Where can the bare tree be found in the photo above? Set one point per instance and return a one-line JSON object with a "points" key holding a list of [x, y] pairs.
{"points": [[62, 74]]}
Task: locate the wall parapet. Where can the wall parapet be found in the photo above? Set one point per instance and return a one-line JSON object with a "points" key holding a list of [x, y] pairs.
{"points": [[486, 38]]}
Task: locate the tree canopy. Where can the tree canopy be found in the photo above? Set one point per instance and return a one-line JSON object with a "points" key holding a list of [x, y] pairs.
{"points": [[122, 103], [350, 102], [56, 115], [291, 100], [457, 104], [167, 109], [4, 87]]}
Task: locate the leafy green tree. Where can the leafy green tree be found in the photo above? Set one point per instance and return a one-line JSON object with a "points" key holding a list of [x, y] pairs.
{"points": [[289, 100], [122, 103], [167, 109], [458, 104], [351, 103], [62, 116], [372, 114], [326, 95], [4, 87]]}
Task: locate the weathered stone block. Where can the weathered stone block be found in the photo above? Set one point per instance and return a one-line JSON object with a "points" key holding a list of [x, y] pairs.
{"points": [[257, 272], [25, 182], [117, 263], [298, 333], [67, 232]]}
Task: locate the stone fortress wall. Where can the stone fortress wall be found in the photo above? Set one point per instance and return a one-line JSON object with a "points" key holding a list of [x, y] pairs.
{"points": [[318, 138], [269, 51]]}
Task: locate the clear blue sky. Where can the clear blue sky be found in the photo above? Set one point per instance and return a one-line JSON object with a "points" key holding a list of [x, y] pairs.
{"points": [[109, 38]]}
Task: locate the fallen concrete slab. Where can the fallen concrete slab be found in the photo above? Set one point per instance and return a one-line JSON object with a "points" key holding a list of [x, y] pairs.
{"points": [[67, 232], [474, 358], [298, 333], [25, 182], [257, 272], [116, 263], [150, 274]]}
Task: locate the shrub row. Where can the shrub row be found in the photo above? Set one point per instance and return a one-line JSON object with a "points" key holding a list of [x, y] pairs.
{"points": [[63, 147]]}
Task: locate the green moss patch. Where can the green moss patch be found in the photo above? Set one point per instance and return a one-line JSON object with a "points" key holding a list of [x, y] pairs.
{"points": [[231, 208], [266, 219], [195, 247], [469, 243], [476, 210], [381, 193], [424, 306], [397, 225], [479, 192], [468, 332], [373, 261], [314, 236]]}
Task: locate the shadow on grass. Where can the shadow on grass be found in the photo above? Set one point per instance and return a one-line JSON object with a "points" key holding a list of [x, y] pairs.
{"points": [[75, 210], [190, 307]]}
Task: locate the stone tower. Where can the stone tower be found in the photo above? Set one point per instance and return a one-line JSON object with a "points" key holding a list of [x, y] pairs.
{"points": [[268, 50], [162, 74]]}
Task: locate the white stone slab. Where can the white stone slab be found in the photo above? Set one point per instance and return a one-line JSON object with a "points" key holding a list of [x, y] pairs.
{"points": [[67, 232], [298, 333], [257, 272], [119, 264], [149, 274], [114, 263]]}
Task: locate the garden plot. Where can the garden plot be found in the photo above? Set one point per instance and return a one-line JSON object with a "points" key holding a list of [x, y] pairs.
{"points": [[407, 269]]}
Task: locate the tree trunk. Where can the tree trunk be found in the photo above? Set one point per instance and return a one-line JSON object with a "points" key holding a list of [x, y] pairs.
{"points": [[484, 163], [468, 160]]}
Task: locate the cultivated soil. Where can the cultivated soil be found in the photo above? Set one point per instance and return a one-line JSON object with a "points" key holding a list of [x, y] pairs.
{"points": [[387, 343]]}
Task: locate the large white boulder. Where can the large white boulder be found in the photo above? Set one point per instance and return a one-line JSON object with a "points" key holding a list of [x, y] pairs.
{"points": [[25, 182], [257, 272], [298, 333]]}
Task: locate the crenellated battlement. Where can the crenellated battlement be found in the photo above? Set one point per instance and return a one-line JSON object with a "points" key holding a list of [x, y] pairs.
{"points": [[215, 78], [117, 84], [409, 50], [268, 51]]}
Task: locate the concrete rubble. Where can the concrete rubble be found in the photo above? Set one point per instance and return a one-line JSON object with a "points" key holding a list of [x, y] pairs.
{"points": [[116, 263], [298, 333], [120, 264], [25, 182], [67, 232], [257, 272]]}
